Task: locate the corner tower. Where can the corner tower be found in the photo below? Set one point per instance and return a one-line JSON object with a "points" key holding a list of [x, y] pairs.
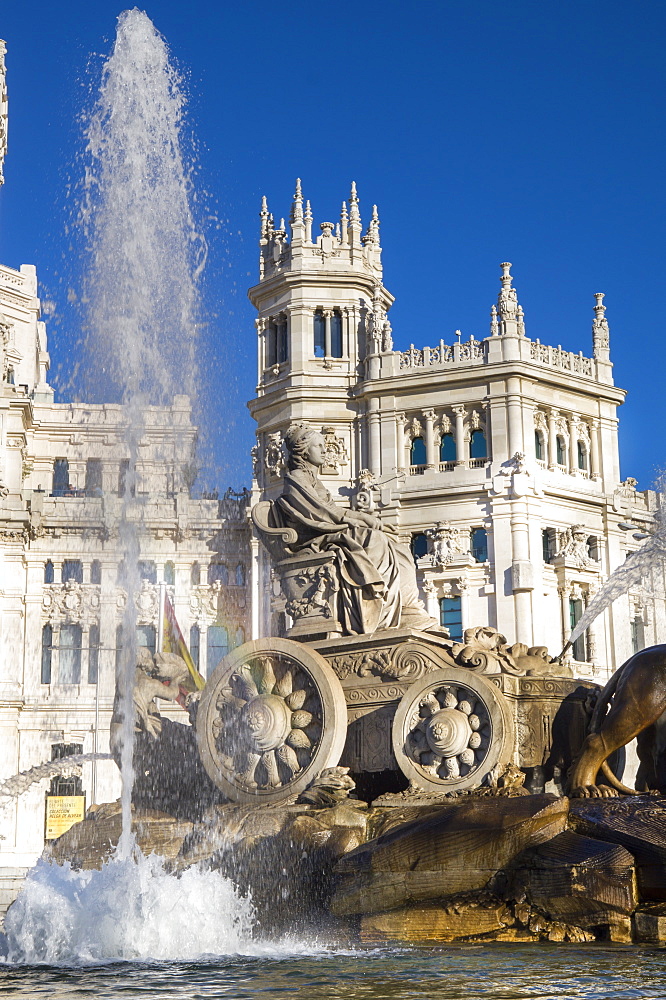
{"points": [[322, 328]]}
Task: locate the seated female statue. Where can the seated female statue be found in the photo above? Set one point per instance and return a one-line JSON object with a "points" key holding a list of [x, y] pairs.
{"points": [[376, 574]]}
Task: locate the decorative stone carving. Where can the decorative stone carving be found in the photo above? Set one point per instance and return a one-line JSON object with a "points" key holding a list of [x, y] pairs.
{"points": [[161, 677], [600, 328], [71, 602], [446, 541], [625, 495], [255, 453], [507, 302], [273, 455], [335, 453], [366, 488], [573, 547]]}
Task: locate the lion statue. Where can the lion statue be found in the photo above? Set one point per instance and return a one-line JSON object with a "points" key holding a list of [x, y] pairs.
{"points": [[636, 694]]}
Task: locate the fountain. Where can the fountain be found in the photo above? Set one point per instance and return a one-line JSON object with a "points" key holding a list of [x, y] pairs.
{"points": [[455, 833]]}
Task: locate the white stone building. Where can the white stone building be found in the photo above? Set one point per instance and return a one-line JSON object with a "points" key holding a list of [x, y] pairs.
{"points": [[498, 457]]}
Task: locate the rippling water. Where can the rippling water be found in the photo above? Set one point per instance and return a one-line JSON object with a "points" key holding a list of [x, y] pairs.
{"points": [[499, 972]]}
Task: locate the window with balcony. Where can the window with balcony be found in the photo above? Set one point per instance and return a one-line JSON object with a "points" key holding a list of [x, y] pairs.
{"points": [[582, 456], [126, 482], [146, 636], [72, 570], [560, 449], [447, 448], [418, 452], [477, 445], [539, 451], [93, 485], [60, 477]]}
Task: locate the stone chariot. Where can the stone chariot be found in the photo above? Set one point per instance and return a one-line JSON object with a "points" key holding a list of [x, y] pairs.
{"points": [[448, 716]]}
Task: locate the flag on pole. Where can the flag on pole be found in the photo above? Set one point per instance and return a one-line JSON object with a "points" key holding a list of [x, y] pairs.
{"points": [[171, 640]]}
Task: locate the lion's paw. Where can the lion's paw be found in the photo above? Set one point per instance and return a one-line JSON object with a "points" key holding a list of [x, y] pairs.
{"points": [[594, 792]]}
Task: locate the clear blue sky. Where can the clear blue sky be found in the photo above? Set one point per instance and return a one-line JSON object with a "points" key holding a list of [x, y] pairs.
{"points": [[519, 131]]}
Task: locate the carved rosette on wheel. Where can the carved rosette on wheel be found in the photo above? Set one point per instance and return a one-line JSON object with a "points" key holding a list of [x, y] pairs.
{"points": [[271, 718], [450, 730]]}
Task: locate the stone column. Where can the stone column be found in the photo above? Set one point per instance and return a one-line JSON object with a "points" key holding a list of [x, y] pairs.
{"points": [[553, 414], [563, 593], [595, 469], [461, 458], [346, 346], [515, 418], [374, 439], [430, 438], [522, 575], [573, 445], [431, 601], [401, 459]]}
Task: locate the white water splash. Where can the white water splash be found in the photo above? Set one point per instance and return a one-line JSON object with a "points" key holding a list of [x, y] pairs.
{"points": [[644, 568], [140, 291], [131, 909], [19, 783]]}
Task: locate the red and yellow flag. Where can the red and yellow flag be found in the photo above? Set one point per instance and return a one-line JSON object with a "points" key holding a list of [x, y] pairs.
{"points": [[173, 642]]}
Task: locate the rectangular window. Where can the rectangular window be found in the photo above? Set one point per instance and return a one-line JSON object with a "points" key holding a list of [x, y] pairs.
{"points": [[637, 635], [72, 569], [147, 570], [125, 481], [582, 464], [217, 646], [336, 335], [47, 648], [480, 545], [559, 447], [450, 615], [282, 342], [145, 636], [60, 477], [194, 644], [319, 335], [93, 654], [575, 615], [94, 477], [69, 659], [547, 545]]}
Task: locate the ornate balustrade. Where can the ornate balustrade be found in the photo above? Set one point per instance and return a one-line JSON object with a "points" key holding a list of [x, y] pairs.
{"points": [[471, 352], [555, 357]]}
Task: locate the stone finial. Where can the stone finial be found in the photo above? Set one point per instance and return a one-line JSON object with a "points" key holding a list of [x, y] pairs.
{"points": [[297, 204], [354, 218], [372, 234], [308, 222], [264, 216], [600, 329], [507, 303]]}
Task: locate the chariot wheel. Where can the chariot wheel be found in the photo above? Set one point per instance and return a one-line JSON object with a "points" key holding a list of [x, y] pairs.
{"points": [[451, 728], [271, 717]]}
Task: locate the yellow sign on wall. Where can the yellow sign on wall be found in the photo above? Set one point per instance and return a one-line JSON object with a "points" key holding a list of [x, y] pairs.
{"points": [[62, 812]]}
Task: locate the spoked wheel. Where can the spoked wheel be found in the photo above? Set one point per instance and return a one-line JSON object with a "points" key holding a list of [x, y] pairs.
{"points": [[271, 717], [450, 730]]}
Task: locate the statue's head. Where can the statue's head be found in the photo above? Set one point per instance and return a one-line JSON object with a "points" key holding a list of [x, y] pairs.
{"points": [[304, 445]]}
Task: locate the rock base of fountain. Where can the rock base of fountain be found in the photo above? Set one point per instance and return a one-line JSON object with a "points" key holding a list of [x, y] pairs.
{"points": [[499, 867]]}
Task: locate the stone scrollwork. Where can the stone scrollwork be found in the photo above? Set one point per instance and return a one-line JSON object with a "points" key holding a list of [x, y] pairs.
{"points": [[71, 602]]}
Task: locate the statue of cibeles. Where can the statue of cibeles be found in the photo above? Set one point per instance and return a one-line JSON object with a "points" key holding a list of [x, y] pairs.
{"points": [[376, 574]]}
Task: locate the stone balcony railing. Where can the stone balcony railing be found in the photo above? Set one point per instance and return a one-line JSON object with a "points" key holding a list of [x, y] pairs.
{"points": [[555, 357], [471, 352]]}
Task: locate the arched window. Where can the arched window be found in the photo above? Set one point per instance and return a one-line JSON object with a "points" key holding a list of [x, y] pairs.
{"points": [[447, 448], [582, 456], [561, 450], [419, 545], [319, 334], [418, 452], [60, 477], [477, 445], [47, 649], [169, 574], [480, 545], [195, 640], [48, 572], [195, 574], [72, 569], [148, 570], [217, 571], [217, 646], [450, 616], [240, 575], [93, 653], [96, 571], [538, 446]]}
